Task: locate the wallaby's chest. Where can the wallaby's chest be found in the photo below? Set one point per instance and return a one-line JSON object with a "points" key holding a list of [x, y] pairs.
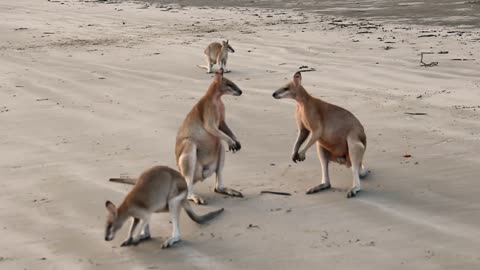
{"points": [[219, 110], [308, 119]]}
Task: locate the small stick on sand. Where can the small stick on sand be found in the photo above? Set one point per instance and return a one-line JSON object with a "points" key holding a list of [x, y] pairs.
{"points": [[275, 192], [416, 113]]}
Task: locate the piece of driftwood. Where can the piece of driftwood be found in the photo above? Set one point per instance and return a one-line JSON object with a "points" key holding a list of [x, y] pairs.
{"points": [[423, 64], [275, 192], [307, 70], [416, 113]]}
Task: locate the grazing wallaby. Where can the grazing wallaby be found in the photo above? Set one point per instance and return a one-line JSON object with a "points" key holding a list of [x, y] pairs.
{"points": [[158, 189], [198, 149], [217, 53], [338, 133]]}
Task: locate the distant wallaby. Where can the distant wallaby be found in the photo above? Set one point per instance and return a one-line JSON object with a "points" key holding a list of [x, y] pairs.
{"points": [[217, 53], [339, 135], [198, 149], [158, 189]]}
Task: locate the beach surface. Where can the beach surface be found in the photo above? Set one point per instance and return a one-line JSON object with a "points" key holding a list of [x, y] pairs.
{"points": [[90, 91]]}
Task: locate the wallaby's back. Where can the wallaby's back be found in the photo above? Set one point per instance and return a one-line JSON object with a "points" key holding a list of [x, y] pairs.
{"points": [[212, 51]]}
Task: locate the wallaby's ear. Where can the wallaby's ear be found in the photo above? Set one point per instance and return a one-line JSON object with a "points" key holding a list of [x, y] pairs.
{"points": [[111, 207], [297, 78], [226, 41], [219, 75]]}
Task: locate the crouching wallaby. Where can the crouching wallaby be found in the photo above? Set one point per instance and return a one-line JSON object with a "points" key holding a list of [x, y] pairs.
{"points": [[158, 189], [217, 53], [198, 149], [338, 133]]}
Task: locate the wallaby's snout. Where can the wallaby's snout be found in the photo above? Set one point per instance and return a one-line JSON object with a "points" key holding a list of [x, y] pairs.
{"points": [[281, 93], [238, 92]]}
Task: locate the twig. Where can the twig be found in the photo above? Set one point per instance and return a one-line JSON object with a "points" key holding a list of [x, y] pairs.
{"points": [[307, 70], [462, 59], [428, 35], [423, 64], [275, 192], [416, 113]]}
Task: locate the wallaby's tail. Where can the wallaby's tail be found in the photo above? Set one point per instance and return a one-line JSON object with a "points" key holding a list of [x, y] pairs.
{"points": [[129, 181], [199, 219], [203, 67]]}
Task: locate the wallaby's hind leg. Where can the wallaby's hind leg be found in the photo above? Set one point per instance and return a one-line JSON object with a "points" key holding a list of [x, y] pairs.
{"points": [[221, 63], [209, 64], [364, 171], [324, 159], [146, 233], [174, 204], [219, 188], [224, 64], [356, 151], [187, 164]]}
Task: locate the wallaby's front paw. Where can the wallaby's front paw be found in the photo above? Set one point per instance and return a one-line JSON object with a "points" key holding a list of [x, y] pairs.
{"points": [[196, 199], [229, 191], [353, 192], [301, 156], [170, 242], [295, 157], [238, 145], [235, 146]]}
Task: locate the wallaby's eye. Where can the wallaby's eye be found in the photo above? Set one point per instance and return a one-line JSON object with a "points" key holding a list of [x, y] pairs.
{"points": [[285, 89]]}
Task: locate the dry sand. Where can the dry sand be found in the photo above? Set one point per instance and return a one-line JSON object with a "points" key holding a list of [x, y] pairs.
{"points": [[89, 91]]}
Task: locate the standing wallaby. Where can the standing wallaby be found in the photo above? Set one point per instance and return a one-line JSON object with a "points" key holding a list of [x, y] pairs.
{"points": [[158, 189], [217, 53], [338, 133], [198, 149]]}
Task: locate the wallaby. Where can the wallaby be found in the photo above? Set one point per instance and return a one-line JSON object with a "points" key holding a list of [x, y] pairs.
{"points": [[158, 189], [339, 135], [217, 53], [198, 149]]}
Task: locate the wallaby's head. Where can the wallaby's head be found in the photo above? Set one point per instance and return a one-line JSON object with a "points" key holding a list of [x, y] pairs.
{"points": [[291, 89], [226, 45], [225, 86], [113, 222]]}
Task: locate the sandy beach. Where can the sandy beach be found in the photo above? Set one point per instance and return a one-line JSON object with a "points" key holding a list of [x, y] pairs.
{"points": [[93, 90]]}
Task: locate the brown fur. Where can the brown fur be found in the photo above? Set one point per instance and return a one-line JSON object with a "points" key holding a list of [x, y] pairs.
{"points": [[199, 151], [217, 53], [334, 129], [158, 189]]}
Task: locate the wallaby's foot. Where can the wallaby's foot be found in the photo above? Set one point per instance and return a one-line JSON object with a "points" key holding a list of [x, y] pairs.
{"points": [[227, 71], [145, 238], [129, 242], [196, 199], [170, 242], [364, 172], [353, 192], [229, 191], [318, 188]]}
